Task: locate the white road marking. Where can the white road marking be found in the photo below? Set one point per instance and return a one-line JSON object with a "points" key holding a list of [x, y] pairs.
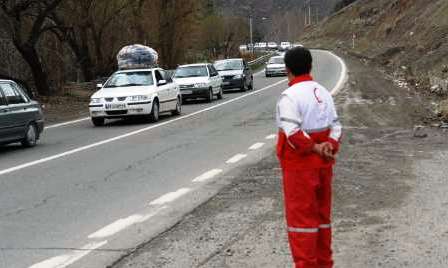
{"points": [[170, 197], [270, 137], [122, 224], [68, 123], [343, 77], [68, 259], [256, 146], [236, 158], [208, 175], [133, 133]]}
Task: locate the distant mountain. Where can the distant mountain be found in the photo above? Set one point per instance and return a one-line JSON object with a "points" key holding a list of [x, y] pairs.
{"points": [[276, 19], [267, 7]]}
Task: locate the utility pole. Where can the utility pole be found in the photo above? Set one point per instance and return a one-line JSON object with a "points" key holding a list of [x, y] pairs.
{"points": [[251, 35], [304, 12], [309, 12]]}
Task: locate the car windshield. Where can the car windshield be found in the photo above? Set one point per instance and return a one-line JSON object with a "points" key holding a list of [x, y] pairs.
{"points": [[277, 60], [191, 71], [228, 65], [130, 79]]}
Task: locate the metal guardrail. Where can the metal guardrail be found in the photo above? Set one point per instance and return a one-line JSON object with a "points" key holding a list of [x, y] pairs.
{"points": [[261, 59]]}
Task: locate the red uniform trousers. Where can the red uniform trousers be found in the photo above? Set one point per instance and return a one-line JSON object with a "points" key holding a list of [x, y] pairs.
{"points": [[307, 182], [308, 208]]}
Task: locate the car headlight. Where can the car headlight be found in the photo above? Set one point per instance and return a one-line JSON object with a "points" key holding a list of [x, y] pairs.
{"points": [[95, 100], [238, 76], [198, 85], [139, 98]]}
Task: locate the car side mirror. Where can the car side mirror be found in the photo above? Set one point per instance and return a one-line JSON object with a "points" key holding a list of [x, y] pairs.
{"points": [[99, 86], [162, 82]]}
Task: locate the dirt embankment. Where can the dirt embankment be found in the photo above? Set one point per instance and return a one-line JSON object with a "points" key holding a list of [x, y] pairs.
{"points": [[409, 38], [73, 104]]}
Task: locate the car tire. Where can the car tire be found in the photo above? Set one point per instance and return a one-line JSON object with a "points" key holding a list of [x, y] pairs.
{"points": [[178, 109], [98, 121], [220, 94], [31, 136], [155, 112], [209, 97]]}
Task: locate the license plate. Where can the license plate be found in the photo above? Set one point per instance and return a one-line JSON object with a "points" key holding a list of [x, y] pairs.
{"points": [[226, 83], [186, 92], [115, 106]]}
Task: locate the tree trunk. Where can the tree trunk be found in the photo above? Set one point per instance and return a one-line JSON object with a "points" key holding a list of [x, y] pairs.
{"points": [[30, 55]]}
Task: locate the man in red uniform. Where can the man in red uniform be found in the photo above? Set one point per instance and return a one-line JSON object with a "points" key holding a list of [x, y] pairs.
{"points": [[309, 136]]}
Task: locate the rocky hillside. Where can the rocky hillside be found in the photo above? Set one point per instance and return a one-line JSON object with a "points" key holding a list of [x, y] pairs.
{"points": [[409, 38], [398, 33]]}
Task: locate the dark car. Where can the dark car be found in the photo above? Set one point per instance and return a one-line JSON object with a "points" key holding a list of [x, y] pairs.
{"points": [[235, 73], [21, 119]]}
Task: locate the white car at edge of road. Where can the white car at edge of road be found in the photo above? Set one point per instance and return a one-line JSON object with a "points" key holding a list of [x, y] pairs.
{"points": [[285, 46], [135, 92]]}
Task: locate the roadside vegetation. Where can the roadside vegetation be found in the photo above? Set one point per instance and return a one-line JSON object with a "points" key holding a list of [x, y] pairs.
{"points": [[48, 44]]}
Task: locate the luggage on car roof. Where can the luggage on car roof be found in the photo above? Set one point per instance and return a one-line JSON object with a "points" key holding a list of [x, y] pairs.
{"points": [[137, 56]]}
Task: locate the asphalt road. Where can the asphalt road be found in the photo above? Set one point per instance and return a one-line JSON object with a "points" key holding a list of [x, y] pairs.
{"points": [[86, 195]]}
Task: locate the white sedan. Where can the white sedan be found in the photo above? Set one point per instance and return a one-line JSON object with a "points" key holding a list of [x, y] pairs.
{"points": [[137, 92], [276, 66], [200, 80]]}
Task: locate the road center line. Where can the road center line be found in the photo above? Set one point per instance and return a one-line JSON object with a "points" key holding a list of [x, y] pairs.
{"points": [[63, 261], [256, 146], [271, 137], [236, 158], [170, 197], [208, 175], [133, 133]]}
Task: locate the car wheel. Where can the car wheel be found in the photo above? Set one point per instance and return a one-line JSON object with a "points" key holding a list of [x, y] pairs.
{"points": [[210, 95], [178, 109], [220, 94], [31, 136], [98, 121], [154, 116]]}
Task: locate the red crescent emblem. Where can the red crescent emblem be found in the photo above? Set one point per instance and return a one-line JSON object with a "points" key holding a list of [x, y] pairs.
{"points": [[317, 97]]}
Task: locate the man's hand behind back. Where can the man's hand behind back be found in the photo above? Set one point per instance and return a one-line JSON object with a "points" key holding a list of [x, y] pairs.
{"points": [[325, 150]]}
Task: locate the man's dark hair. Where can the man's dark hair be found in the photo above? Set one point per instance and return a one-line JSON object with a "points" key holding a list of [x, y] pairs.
{"points": [[299, 61]]}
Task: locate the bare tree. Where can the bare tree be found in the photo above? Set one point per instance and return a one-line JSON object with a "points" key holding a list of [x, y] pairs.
{"points": [[91, 30], [25, 22]]}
